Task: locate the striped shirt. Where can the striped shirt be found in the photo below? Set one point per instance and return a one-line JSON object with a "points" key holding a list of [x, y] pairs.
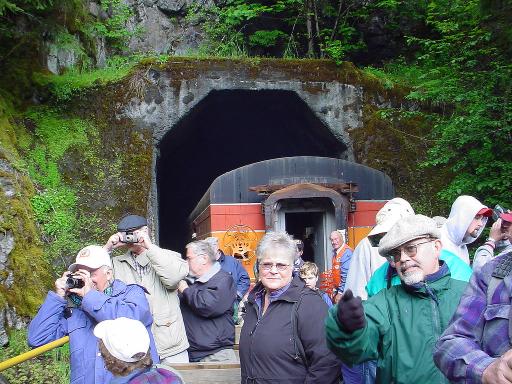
{"points": [[141, 269]]}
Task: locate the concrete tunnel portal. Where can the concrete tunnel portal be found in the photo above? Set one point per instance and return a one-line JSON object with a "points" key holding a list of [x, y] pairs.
{"points": [[226, 130]]}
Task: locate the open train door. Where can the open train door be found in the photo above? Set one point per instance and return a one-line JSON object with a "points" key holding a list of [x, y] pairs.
{"points": [[309, 212]]}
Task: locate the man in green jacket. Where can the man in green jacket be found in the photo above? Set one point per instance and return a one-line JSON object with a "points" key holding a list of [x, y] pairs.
{"points": [[400, 325]]}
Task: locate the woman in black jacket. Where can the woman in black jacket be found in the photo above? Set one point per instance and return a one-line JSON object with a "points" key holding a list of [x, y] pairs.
{"points": [[282, 339]]}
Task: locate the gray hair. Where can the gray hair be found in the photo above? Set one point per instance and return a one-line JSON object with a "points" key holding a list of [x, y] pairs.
{"points": [[214, 243], [202, 247], [275, 240]]}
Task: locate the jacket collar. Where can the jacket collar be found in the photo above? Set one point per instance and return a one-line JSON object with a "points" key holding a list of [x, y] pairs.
{"points": [[142, 259], [209, 274]]}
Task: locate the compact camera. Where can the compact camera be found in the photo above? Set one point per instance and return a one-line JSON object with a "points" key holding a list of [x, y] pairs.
{"points": [[73, 282], [129, 237], [496, 212]]}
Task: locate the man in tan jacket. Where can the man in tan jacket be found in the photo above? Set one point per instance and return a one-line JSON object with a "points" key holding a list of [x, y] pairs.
{"points": [[159, 272]]}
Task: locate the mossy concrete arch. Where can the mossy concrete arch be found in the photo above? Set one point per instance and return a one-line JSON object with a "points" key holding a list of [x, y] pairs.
{"points": [[299, 107]]}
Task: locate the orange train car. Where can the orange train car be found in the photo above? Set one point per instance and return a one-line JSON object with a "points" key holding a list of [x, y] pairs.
{"points": [[306, 196]]}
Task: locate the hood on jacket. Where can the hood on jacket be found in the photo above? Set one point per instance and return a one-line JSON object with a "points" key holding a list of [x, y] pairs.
{"points": [[464, 210], [391, 212]]}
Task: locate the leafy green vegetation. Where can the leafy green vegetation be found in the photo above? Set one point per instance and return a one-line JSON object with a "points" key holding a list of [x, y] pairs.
{"points": [[114, 28], [463, 71], [64, 86], [50, 367], [55, 204]]}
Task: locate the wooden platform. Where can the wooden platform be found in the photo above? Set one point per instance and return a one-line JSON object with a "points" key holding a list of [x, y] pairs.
{"points": [[209, 373]]}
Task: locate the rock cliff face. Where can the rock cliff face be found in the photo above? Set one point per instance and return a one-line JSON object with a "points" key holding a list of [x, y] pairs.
{"points": [[24, 274], [163, 26]]}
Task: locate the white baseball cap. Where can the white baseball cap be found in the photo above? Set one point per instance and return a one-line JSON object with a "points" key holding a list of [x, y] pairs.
{"points": [[394, 210], [92, 256], [124, 338]]}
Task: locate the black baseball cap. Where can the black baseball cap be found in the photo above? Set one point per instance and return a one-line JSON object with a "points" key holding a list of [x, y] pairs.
{"points": [[131, 222]]}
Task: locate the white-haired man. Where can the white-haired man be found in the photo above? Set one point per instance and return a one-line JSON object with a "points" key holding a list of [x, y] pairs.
{"points": [[85, 295], [207, 306], [408, 317]]}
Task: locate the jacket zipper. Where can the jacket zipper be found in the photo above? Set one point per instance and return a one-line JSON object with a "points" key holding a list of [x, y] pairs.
{"points": [[434, 305], [251, 334]]}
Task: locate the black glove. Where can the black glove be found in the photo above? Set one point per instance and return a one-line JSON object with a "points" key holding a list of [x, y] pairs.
{"points": [[351, 312]]}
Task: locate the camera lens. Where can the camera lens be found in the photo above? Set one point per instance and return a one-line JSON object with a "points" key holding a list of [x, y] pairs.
{"points": [[73, 282]]}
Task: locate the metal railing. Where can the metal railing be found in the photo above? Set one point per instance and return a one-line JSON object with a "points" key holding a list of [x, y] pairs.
{"points": [[33, 353]]}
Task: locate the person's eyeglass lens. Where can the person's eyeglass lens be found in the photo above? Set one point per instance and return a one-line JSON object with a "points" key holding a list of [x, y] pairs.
{"points": [[409, 250], [279, 266]]}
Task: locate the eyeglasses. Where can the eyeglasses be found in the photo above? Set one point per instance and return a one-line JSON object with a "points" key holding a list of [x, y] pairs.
{"points": [[409, 250], [279, 266]]}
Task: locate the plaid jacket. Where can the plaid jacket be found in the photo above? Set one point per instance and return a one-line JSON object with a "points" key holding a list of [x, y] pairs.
{"points": [[478, 332], [151, 376]]}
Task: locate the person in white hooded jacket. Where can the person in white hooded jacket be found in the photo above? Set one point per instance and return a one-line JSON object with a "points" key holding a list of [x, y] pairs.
{"points": [[466, 222], [366, 258]]}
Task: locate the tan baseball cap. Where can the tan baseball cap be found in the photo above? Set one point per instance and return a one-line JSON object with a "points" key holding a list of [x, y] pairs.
{"points": [[92, 256]]}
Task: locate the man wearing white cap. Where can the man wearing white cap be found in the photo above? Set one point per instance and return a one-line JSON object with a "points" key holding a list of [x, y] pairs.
{"points": [[84, 296], [366, 258], [124, 344], [466, 222], [365, 261], [406, 318]]}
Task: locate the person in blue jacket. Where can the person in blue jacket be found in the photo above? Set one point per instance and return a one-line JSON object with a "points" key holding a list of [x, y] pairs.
{"points": [[77, 306], [232, 266]]}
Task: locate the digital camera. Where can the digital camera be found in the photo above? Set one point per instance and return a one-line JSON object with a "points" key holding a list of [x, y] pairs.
{"points": [[73, 282], [497, 211], [129, 237]]}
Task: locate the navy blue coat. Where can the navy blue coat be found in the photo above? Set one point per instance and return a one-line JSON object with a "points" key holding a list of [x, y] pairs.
{"points": [[266, 342], [237, 272], [207, 309]]}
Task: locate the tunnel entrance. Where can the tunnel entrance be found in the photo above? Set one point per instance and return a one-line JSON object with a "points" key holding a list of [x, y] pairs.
{"points": [[226, 130]]}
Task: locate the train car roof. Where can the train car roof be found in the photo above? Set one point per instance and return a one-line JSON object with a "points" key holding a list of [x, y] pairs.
{"points": [[233, 187]]}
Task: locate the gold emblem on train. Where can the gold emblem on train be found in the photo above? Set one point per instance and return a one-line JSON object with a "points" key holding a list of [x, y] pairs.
{"points": [[241, 241]]}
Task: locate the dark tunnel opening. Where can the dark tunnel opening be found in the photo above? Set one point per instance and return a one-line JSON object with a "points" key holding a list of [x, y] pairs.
{"points": [[226, 130]]}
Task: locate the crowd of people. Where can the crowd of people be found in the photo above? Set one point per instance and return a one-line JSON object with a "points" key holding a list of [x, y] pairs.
{"points": [[405, 305]]}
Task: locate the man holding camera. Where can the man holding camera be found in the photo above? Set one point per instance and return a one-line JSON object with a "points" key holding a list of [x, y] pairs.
{"points": [[159, 271], [501, 232], [84, 296]]}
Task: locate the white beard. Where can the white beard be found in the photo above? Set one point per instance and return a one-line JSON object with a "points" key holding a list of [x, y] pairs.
{"points": [[412, 277]]}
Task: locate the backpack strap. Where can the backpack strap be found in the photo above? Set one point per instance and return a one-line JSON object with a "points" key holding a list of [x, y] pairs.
{"points": [[298, 348], [502, 269]]}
